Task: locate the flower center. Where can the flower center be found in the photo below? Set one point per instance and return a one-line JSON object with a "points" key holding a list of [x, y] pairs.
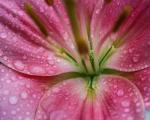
{"points": [[89, 65]]}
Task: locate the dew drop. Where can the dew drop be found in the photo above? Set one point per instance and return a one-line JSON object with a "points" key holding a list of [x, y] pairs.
{"points": [[125, 103], [120, 93], [13, 100], [3, 35], [19, 65], [24, 95], [97, 11], [51, 61], [4, 113], [135, 58], [37, 70]]}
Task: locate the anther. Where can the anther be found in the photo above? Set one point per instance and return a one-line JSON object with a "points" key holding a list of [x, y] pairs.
{"points": [[108, 1], [125, 13], [80, 42], [30, 11], [49, 2]]}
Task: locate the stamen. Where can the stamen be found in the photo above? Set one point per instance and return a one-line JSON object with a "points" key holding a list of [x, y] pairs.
{"points": [[125, 13], [49, 2], [30, 11], [108, 1], [80, 42]]}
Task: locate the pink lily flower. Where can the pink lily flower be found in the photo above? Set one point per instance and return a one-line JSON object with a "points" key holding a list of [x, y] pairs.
{"points": [[74, 59]]}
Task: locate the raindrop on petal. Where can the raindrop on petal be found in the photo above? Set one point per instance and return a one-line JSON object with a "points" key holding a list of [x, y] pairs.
{"points": [[13, 100]]}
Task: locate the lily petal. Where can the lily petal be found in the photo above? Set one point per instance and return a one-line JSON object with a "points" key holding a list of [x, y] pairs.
{"points": [[23, 48], [104, 18], [19, 95], [115, 98], [142, 81], [120, 99], [134, 54], [63, 101]]}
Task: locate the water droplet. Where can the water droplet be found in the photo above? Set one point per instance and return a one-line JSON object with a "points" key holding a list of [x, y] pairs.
{"points": [[19, 65], [127, 110], [136, 58], [37, 70], [4, 113], [3, 35], [51, 61], [13, 100], [120, 93], [125, 103], [24, 95], [97, 11], [130, 118]]}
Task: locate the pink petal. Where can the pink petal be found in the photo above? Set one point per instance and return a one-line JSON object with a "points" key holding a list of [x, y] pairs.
{"points": [[104, 18], [134, 54], [23, 48], [54, 18], [63, 101], [121, 100], [116, 99], [142, 81], [19, 95]]}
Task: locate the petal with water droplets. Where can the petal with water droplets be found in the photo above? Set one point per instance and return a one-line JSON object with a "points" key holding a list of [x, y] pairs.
{"points": [[142, 80], [134, 53], [23, 48], [19, 95], [115, 98], [105, 16]]}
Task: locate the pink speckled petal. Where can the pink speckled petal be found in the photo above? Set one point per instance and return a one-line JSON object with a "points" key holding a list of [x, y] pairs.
{"points": [[134, 54], [63, 101], [105, 17], [115, 99], [120, 99], [23, 48], [142, 81], [55, 19], [19, 95]]}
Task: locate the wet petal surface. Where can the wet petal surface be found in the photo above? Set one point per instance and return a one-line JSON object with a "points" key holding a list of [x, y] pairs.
{"points": [[142, 81], [104, 18], [134, 53], [19, 95], [114, 98], [23, 48]]}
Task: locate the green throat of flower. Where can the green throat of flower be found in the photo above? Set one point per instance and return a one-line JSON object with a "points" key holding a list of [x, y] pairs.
{"points": [[90, 66]]}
